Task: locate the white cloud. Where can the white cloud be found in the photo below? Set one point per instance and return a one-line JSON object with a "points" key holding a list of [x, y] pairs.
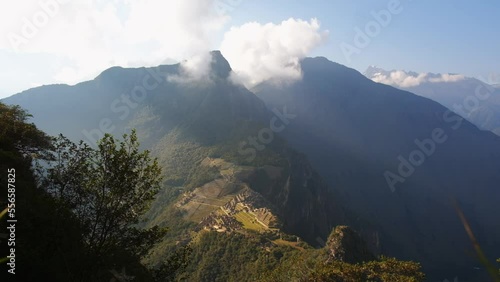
{"points": [[400, 78], [260, 52], [448, 78], [93, 35], [404, 79], [197, 68]]}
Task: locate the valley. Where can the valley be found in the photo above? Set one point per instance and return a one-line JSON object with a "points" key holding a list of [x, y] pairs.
{"points": [[325, 169]]}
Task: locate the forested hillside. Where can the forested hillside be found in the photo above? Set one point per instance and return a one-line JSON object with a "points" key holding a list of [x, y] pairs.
{"points": [[84, 205]]}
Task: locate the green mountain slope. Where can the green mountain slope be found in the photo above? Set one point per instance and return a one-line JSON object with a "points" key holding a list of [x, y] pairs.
{"points": [[186, 125], [357, 132]]}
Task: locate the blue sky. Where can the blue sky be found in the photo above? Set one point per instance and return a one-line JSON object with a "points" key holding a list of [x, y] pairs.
{"points": [[83, 37], [427, 36]]}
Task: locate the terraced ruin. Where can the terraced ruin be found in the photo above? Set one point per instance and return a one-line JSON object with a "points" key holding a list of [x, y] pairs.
{"points": [[227, 203]]}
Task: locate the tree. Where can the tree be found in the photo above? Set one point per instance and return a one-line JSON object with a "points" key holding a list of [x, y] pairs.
{"points": [[79, 210], [107, 189], [19, 136], [49, 236], [20, 141]]}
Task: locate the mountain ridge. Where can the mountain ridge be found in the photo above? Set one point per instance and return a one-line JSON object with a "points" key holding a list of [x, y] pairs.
{"points": [[350, 128], [354, 130], [184, 123], [473, 99]]}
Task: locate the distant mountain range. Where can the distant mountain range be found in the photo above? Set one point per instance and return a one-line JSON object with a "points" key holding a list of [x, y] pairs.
{"points": [[473, 99], [385, 161]]}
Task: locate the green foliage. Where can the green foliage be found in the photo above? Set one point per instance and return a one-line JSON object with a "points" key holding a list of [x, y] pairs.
{"points": [[202, 175], [289, 238], [237, 257], [232, 257], [174, 265], [159, 215], [178, 156], [82, 224], [17, 135], [310, 266], [85, 224], [49, 234], [383, 270], [107, 189]]}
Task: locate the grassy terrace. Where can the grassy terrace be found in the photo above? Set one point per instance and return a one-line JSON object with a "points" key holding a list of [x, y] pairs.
{"points": [[249, 221]]}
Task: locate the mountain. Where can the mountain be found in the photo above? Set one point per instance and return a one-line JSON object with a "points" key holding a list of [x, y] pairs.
{"points": [[473, 99], [195, 128], [400, 161], [118, 98], [231, 158]]}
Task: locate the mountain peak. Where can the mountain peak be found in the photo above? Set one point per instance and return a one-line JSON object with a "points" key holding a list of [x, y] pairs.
{"points": [[220, 66], [373, 69], [110, 72], [346, 245]]}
